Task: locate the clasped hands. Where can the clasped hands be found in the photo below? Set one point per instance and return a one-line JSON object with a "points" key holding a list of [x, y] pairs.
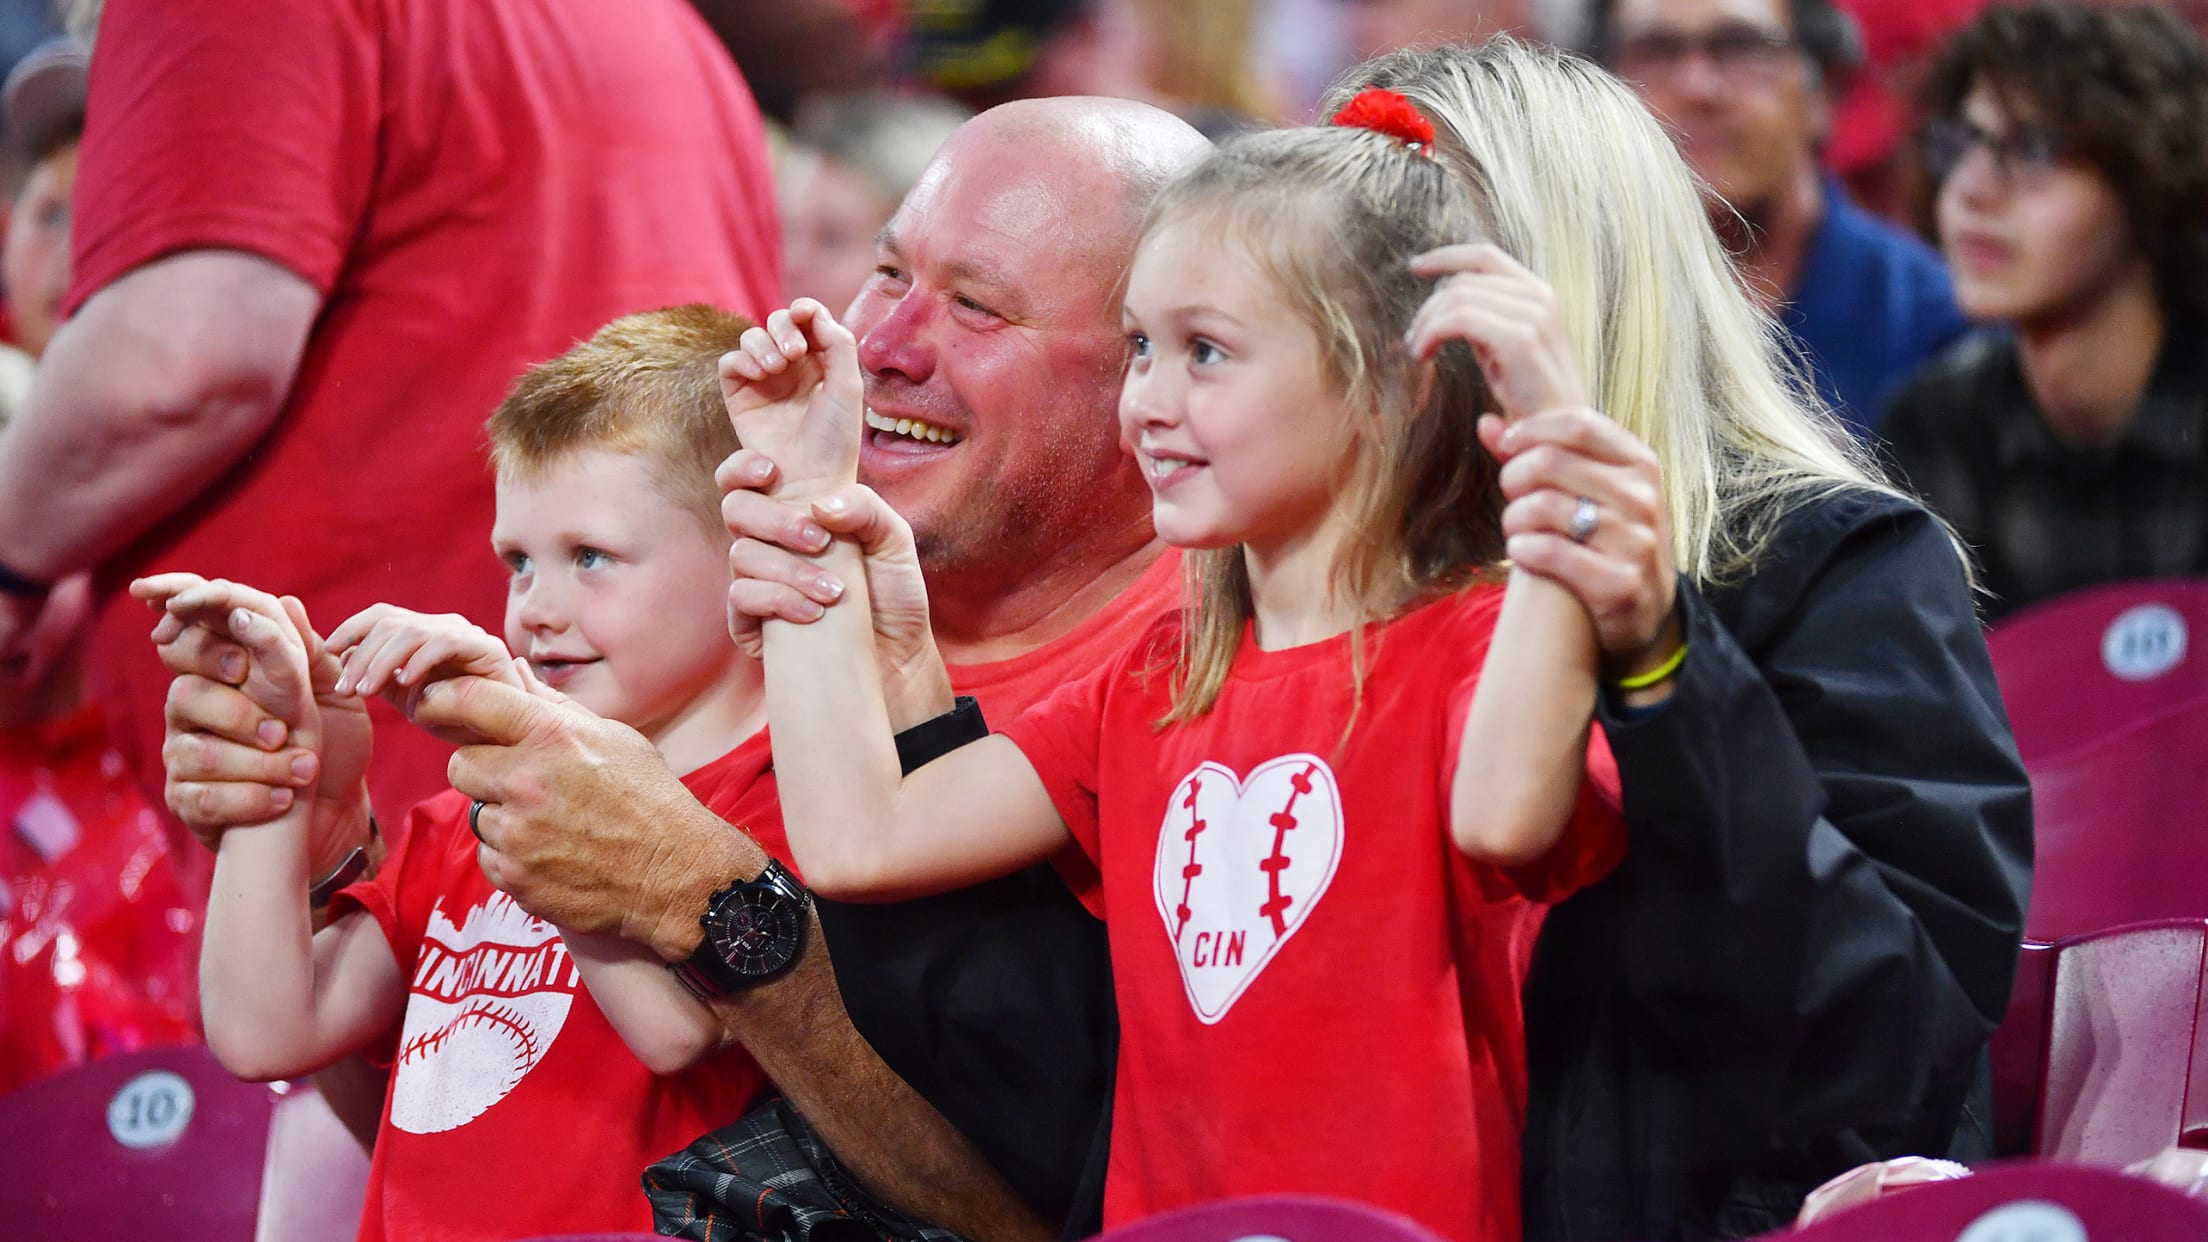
{"points": [[266, 720]]}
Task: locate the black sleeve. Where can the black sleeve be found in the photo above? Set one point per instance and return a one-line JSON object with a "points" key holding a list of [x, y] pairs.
{"points": [[995, 1004], [1814, 929], [1832, 834]]}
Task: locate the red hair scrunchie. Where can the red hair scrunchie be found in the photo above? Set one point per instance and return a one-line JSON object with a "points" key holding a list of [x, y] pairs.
{"points": [[1386, 112]]}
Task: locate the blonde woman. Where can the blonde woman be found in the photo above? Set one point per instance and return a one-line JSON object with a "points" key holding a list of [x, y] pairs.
{"points": [[1814, 931]]}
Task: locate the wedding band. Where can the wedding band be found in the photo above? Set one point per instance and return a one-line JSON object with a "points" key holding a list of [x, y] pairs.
{"points": [[475, 812], [1585, 517]]}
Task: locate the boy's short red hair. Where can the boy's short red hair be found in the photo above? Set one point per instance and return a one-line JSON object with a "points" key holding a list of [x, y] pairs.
{"points": [[646, 383]]}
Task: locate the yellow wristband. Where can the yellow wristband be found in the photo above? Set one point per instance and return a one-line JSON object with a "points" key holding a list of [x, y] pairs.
{"points": [[1642, 681]]}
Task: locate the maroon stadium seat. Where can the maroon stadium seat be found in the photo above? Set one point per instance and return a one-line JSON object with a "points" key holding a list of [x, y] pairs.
{"points": [[1288, 1218], [2020, 1054], [2020, 1201], [2078, 668], [2121, 1035], [166, 1144], [2108, 691]]}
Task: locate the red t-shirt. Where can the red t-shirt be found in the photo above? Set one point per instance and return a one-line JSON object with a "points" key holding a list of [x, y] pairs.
{"points": [[514, 1108], [473, 187], [1008, 687], [1317, 991]]}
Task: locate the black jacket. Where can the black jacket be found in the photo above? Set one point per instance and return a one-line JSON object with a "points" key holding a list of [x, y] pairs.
{"points": [[1814, 930]]}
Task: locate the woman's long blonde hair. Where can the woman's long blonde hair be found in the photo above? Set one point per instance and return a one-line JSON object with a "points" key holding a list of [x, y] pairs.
{"points": [[1577, 181], [1332, 217]]}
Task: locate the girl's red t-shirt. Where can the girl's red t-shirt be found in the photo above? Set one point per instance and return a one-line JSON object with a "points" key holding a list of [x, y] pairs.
{"points": [[1317, 991]]}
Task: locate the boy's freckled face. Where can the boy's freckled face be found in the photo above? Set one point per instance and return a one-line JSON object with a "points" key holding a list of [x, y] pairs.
{"points": [[616, 595]]}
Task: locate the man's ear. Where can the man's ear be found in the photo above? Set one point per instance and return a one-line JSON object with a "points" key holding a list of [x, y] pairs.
{"points": [[1823, 100]]}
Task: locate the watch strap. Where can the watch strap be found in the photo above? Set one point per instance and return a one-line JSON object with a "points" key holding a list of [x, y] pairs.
{"points": [[22, 586], [936, 737], [352, 868]]}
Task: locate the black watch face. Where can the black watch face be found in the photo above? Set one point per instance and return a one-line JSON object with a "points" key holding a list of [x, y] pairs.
{"points": [[755, 930]]}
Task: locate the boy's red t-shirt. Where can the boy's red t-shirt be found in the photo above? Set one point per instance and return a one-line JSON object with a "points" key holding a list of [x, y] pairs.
{"points": [[1317, 991], [514, 1108]]}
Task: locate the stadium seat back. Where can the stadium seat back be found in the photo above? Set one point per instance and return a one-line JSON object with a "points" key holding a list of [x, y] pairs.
{"points": [[2020, 1054], [1281, 1218], [2108, 693], [2022, 1202], [2123, 1030], [2120, 828], [2076, 669], [166, 1144]]}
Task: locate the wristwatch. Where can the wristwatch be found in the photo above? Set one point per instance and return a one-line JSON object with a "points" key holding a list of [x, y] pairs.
{"points": [[753, 930]]}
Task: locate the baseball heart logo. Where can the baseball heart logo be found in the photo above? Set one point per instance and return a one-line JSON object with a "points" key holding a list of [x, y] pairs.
{"points": [[1241, 863], [489, 996]]}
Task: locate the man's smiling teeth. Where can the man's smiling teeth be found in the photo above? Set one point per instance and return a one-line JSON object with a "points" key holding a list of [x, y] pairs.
{"points": [[912, 427]]}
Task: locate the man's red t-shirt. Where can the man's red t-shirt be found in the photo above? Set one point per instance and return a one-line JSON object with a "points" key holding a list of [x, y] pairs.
{"points": [[514, 1109], [1006, 688], [1317, 991], [474, 188]]}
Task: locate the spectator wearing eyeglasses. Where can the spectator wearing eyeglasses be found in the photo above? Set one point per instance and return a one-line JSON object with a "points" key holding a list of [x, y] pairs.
{"points": [[2068, 160], [1747, 87]]}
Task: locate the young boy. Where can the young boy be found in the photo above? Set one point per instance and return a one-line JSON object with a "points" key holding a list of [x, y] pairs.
{"points": [[514, 1109]]}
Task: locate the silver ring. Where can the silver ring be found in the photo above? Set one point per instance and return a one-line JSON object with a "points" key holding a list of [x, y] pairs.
{"points": [[1585, 517], [475, 812]]}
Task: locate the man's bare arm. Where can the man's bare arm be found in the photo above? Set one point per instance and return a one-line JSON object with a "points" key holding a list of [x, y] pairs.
{"points": [[160, 381]]}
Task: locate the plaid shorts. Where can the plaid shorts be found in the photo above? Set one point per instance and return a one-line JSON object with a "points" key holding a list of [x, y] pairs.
{"points": [[769, 1178]]}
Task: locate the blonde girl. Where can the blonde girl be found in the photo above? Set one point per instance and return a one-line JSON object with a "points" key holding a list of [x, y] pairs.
{"points": [[1329, 802], [1798, 965]]}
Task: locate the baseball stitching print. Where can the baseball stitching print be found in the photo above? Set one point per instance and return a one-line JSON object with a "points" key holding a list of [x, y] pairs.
{"points": [[1240, 865], [488, 998]]}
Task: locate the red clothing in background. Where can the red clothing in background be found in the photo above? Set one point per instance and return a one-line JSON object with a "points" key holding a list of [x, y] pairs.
{"points": [[474, 187], [98, 939], [1317, 991], [515, 1109]]}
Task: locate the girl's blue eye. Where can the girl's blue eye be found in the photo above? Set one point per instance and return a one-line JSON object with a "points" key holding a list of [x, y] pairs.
{"points": [[591, 558], [1205, 351], [517, 563], [1138, 345]]}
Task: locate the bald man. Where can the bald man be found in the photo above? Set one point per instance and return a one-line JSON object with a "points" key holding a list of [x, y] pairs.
{"points": [[991, 342]]}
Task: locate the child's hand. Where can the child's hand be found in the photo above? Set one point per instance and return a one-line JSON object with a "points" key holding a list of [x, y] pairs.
{"points": [[393, 652], [772, 577], [244, 658], [794, 393], [1509, 317], [277, 678]]}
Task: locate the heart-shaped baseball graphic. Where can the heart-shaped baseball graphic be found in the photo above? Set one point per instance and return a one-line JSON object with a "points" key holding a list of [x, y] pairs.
{"points": [[1241, 863]]}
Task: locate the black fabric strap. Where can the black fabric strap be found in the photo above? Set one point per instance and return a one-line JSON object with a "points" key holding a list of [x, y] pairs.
{"points": [[16, 584], [932, 739]]}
